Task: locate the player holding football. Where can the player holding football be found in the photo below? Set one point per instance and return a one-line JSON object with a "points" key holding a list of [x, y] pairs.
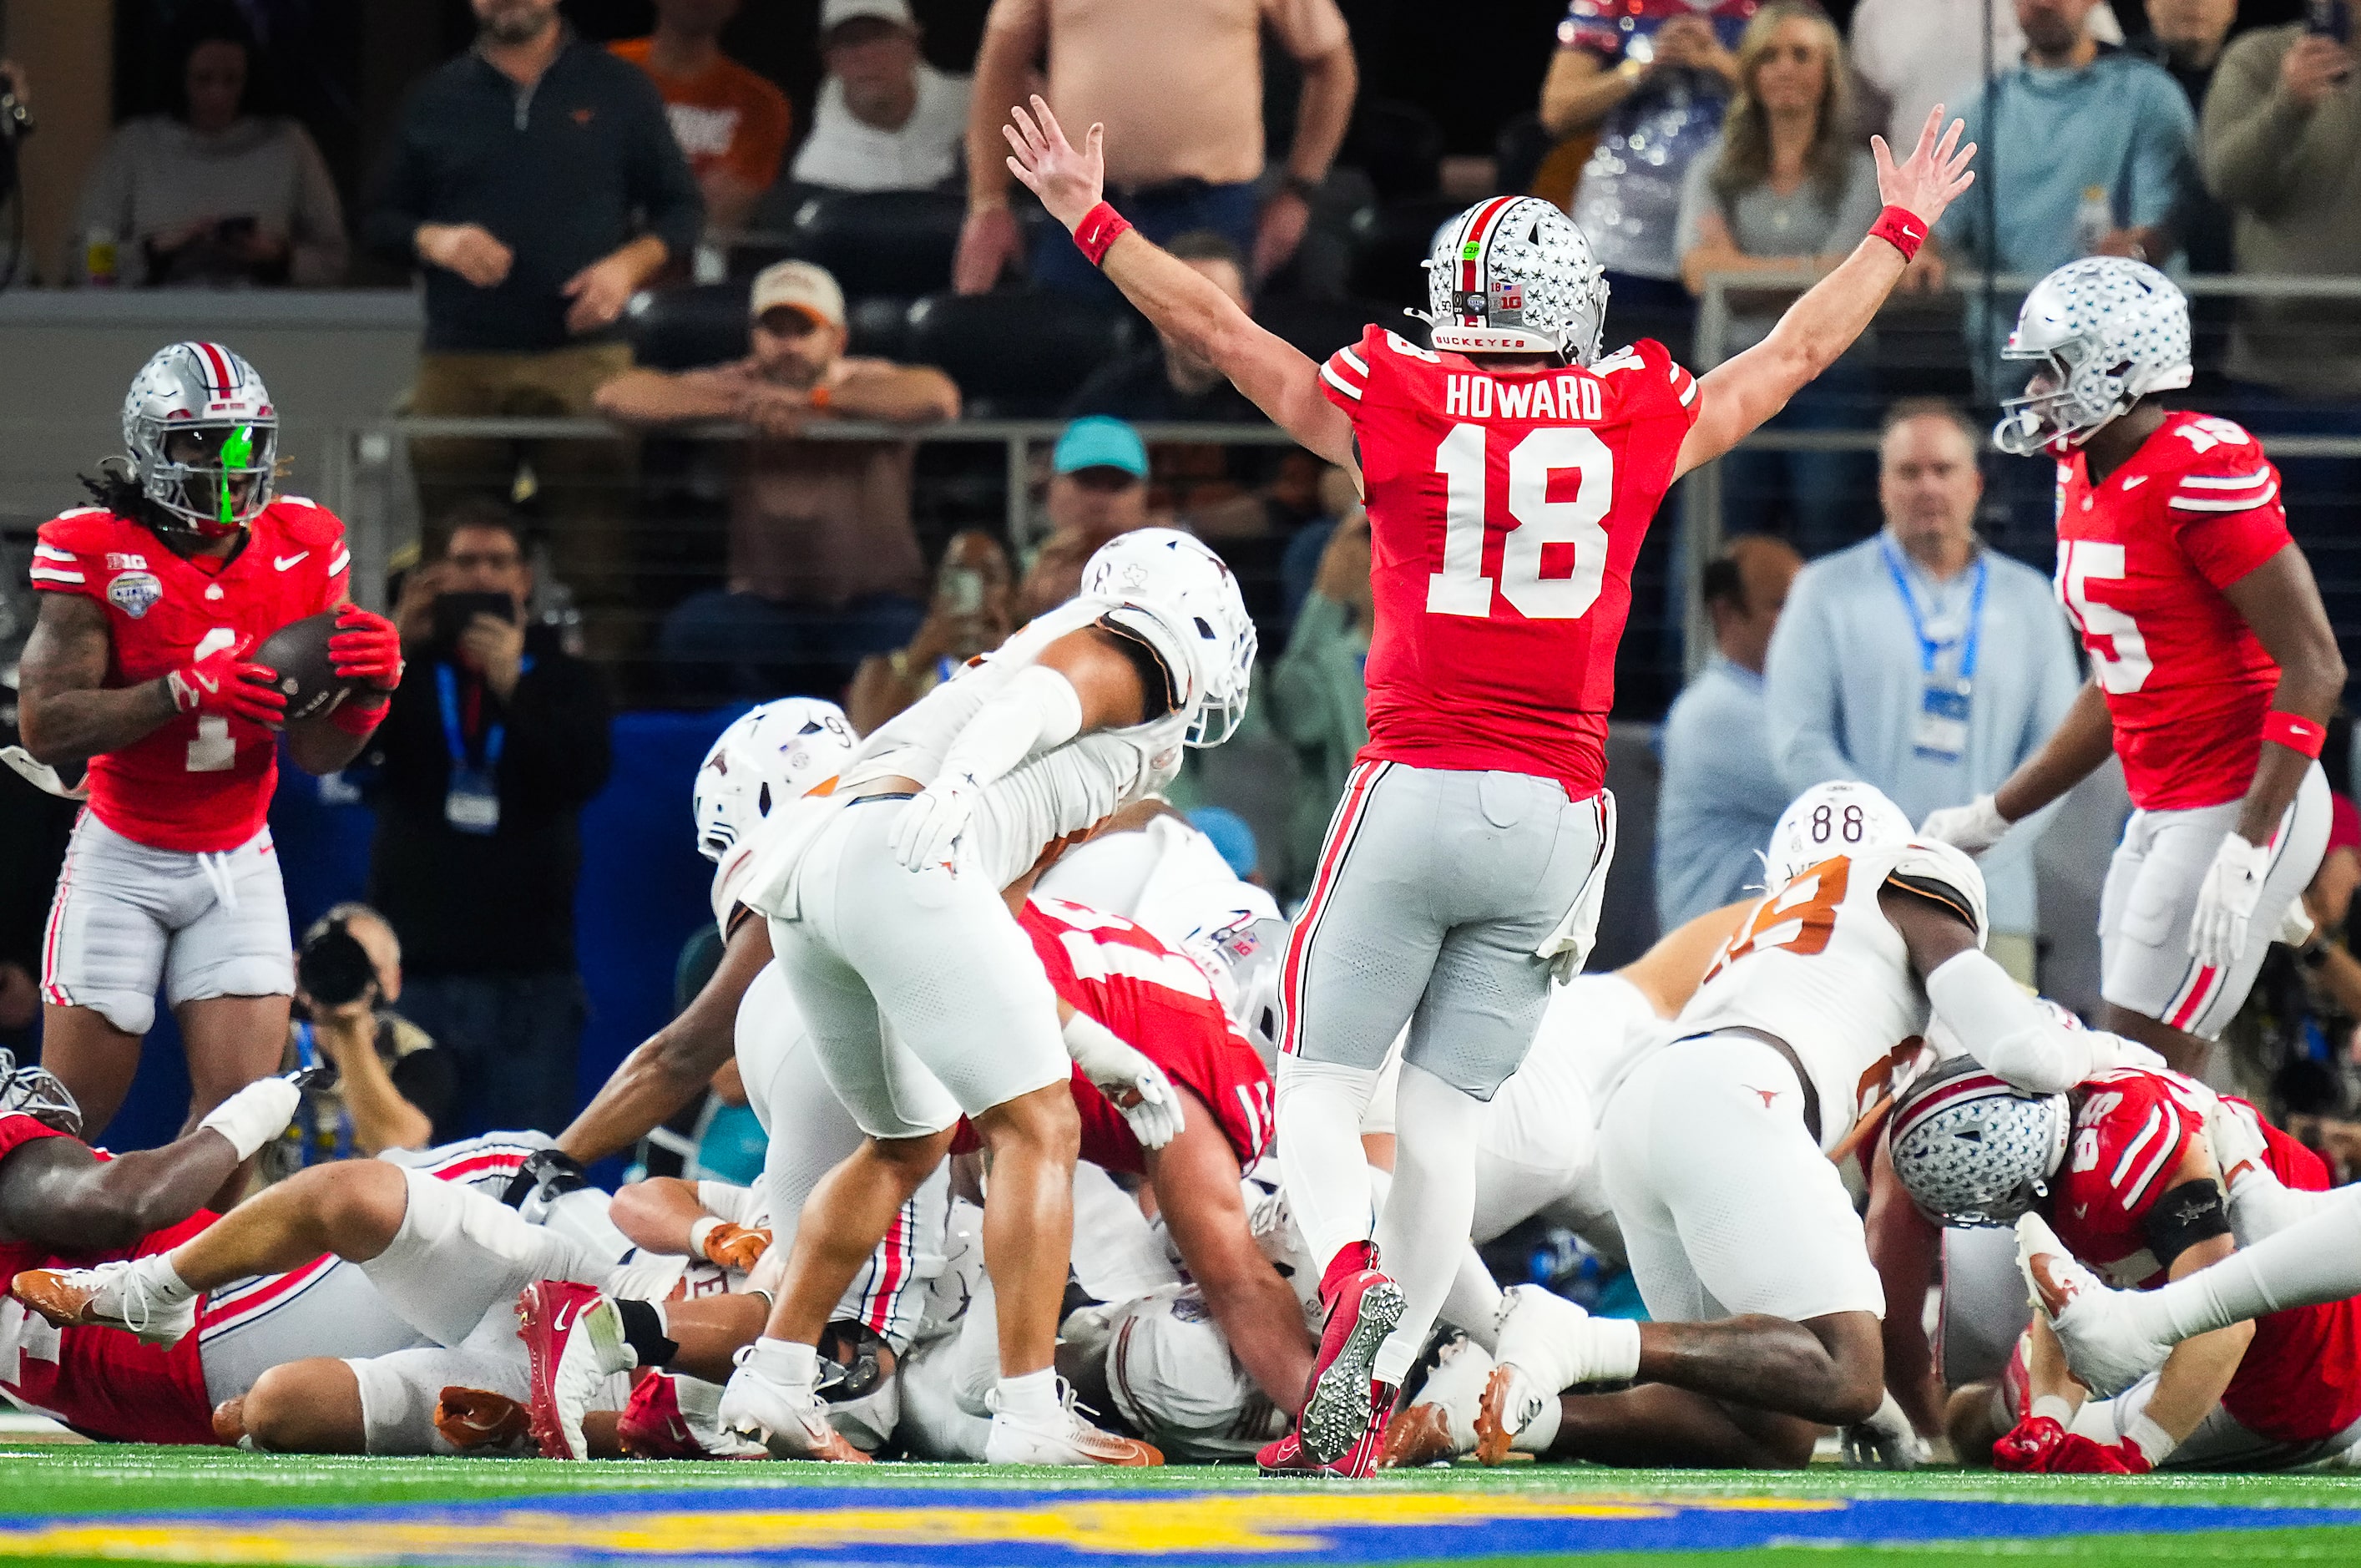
{"points": [[151, 603], [1510, 473], [2216, 669]]}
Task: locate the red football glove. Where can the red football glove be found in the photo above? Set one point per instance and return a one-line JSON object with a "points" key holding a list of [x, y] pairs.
{"points": [[223, 683], [366, 648], [2026, 1448], [2079, 1456]]}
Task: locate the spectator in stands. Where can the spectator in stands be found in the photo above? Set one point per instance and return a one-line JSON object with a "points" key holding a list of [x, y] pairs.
{"points": [[1098, 482], [1184, 152], [211, 195], [885, 120], [2186, 38], [1910, 55], [1318, 700], [1923, 662], [496, 739], [824, 562], [1163, 380], [2282, 147], [1785, 186], [1052, 576], [973, 612], [1649, 80], [731, 122], [2070, 120], [393, 1087], [1720, 794], [535, 180]]}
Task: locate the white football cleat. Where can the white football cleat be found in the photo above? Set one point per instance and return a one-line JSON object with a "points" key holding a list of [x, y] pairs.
{"points": [[2106, 1349], [1440, 1426], [122, 1295], [1060, 1438], [789, 1419]]}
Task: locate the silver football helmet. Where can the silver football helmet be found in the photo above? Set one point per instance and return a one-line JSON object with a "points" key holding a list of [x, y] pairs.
{"points": [[1167, 588], [2107, 332], [203, 438], [1973, 1149], [1842, 817], [766, 758], [35, 1092], [1245, 958], [1515, 275]]}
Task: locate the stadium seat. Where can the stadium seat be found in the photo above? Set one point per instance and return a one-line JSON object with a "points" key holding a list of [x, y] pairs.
{"points": [[1389, 241], [1015, 354], [681, 329], [879, 328], [880, 242], [1321, 327], [1399, 146]]}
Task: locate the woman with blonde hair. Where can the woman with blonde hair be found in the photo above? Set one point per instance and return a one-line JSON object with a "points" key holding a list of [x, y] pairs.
{"points": [[1787, 187]]}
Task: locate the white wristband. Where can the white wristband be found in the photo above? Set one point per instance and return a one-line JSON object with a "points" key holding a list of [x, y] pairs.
{"points": [[255, 1115], [702, 1228]]}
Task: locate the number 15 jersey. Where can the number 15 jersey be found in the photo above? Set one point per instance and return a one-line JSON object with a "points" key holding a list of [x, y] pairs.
{"points": [[1506, 509]]}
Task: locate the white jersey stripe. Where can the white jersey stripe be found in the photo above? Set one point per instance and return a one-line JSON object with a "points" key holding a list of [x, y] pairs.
{"points": [[52, 553], [1329, 375], [1354, 360], [2231, 503], [2146, 1178], [343, 559], [2154, 1126], [53, 574], [2224, 482]]}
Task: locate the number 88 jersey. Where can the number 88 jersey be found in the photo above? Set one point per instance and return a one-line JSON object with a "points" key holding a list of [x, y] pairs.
{"points": [[1506, 509], [2142, 557]]}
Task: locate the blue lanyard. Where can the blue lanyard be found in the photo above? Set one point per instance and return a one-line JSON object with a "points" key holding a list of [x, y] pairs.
{"points": [[1928, 649], [308, 1055], [447, 685]]}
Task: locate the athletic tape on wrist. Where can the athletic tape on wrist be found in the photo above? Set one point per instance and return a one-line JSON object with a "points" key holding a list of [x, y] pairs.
{"points": [[1901, 228], [2297, 733], [1100, 228], [700, 1230]]}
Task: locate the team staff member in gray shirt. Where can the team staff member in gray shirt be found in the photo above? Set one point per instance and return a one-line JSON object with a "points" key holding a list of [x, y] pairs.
{"points": [[1922, 663], [1721, 796]]}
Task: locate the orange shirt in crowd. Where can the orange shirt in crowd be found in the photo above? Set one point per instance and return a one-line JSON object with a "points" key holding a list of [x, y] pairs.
{"points": [[724, 117]]}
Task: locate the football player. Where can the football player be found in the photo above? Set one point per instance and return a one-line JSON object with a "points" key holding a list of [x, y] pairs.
{"points": [[1511, 471], [1715, 1153], [2129, 1166], [152, 601], [2215, 666]]}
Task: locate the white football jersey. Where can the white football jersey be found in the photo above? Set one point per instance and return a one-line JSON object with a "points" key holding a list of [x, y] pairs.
{"points": [[1818, 965], [1056, 792]]}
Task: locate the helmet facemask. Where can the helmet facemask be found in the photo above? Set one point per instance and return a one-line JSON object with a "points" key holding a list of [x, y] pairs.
{"points": [[36, 1092], [2067, 400], [215, 477]]}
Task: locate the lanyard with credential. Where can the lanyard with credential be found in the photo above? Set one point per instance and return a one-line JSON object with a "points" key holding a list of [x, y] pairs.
{"points": [[307, 1053], [447, 685], [1928, 649]]}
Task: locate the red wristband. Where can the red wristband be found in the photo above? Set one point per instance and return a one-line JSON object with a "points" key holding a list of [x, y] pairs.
{"points": [[2296, 732], [354, 718], [1901, 228], [1100, 227]]}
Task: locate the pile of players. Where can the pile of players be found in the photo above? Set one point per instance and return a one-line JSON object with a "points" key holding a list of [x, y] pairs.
{"points": [[1078, 1155]]}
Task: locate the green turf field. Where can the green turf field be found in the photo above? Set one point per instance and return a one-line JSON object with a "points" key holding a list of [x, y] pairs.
{"points": [[92, 1504]]}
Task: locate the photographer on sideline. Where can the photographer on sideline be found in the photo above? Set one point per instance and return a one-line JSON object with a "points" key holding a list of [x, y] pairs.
{"points": [[392, 1085], [496, 739]]}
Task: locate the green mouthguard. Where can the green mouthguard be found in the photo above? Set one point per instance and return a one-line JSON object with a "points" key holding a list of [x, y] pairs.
{"points": [[237, 452]]}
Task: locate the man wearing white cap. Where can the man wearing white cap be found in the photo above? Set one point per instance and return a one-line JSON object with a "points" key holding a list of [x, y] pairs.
{"points": [[824, 564], [885, 120]]}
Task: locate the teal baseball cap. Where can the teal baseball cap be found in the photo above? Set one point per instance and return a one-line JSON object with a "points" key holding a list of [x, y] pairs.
{"points": [[1100, 440]]}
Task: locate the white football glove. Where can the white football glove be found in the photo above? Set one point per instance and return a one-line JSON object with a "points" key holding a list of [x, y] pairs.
{"points": [[2296, 925], [2225, 903], [2237, 1142], [1133, 1084], [255, 1115], [1972, 828], [929, 826], [1885, 1441]]}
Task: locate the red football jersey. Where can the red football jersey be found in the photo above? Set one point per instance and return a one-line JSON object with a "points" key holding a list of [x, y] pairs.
{"points": [[2142, 561], [199, 782], [1159, 1002], [2301, 1379], [1506, 509], [102, 1383]]}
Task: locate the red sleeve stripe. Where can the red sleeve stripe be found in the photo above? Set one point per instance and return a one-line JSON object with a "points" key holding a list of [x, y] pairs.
{"points": [[1328, 373], [2247, 502]]}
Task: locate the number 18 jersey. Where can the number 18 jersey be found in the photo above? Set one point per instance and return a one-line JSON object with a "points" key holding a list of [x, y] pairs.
{"points": [[1506, 509]]}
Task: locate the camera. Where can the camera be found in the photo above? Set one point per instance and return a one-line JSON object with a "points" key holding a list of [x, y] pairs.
{"points": [[454, 612], [333, 967]]}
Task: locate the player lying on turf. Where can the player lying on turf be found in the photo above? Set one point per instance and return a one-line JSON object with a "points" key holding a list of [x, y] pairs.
{"points": [[1741, 1238], [2128, 1167], [2216, 669]]}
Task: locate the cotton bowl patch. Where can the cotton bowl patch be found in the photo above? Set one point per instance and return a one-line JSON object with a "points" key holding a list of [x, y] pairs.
{"points": [[135, 593]]}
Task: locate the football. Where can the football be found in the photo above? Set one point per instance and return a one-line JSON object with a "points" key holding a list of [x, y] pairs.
{"points": [[299, 651]]}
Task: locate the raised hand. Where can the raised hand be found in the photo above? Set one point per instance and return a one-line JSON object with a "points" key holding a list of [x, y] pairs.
{"points": [[1933, 176], [1068, 180]]}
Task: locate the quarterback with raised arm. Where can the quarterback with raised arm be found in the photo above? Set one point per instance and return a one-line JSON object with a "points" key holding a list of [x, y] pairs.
{"points": [[2214, 668], [152, 601], [1511, 471]]}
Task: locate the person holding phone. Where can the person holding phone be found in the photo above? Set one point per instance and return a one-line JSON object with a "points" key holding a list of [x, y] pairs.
{"points": [[496, 739], [973, 612]]}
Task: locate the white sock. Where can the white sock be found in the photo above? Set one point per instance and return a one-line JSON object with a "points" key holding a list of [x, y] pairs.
{"points": [[1320, 1156], [1473, 1305], [2314, 1260], [1032, 1396], [163, 1281], [1423, 1233], [1537, 1436]]}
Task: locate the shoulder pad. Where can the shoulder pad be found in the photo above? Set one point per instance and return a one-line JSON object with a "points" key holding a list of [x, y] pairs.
{"points": [[308, 521], [1946, 875]]}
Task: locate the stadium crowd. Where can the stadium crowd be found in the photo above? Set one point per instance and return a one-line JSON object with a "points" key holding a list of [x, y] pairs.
{"points": [[391, 1220]]}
